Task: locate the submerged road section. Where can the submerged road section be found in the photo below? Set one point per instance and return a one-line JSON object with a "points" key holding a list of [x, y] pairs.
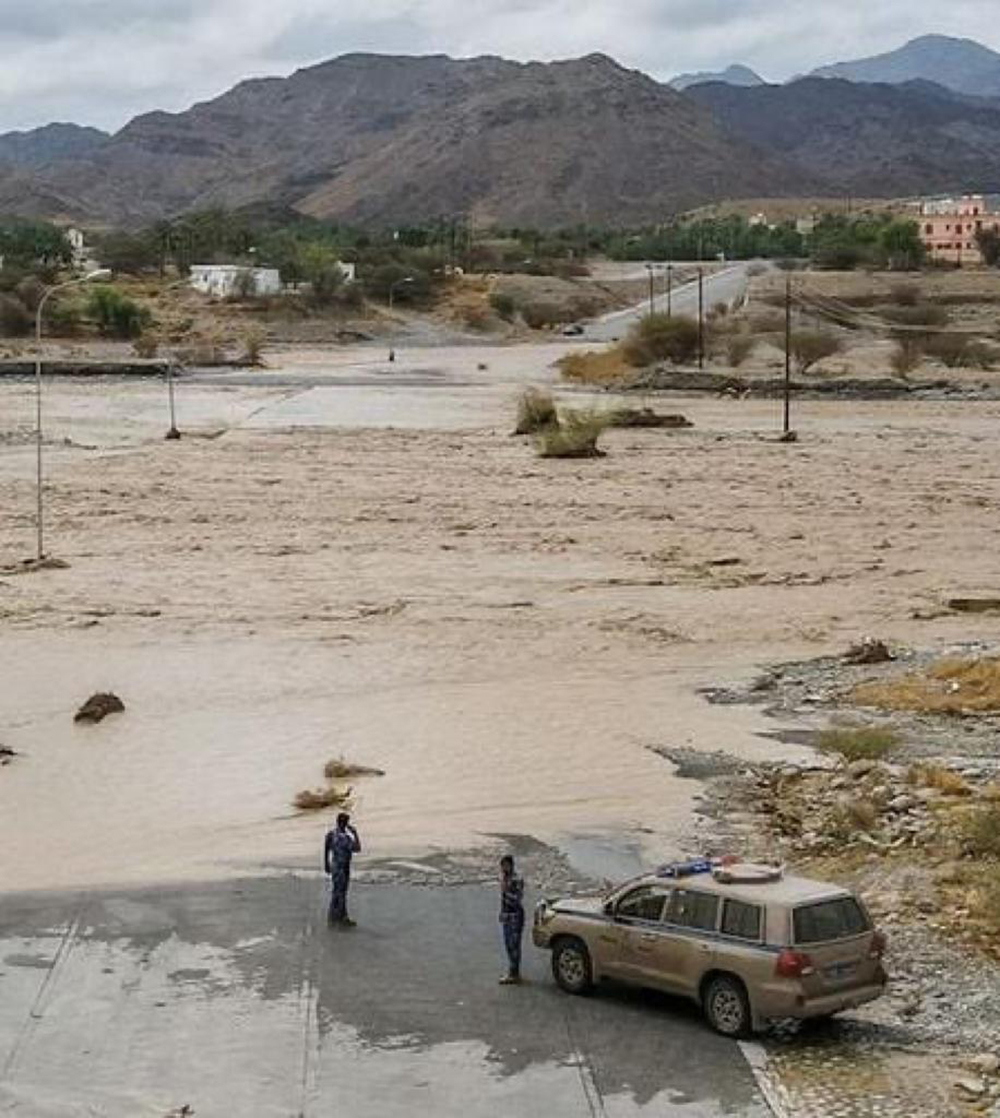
{"points": [[236, 999]]}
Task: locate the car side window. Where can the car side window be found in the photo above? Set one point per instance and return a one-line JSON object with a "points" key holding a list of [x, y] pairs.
{"points": [[741, 920], [644, 903], [690, 909]]}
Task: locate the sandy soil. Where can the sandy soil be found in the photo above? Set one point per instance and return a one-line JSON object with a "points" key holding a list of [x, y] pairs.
{"points": [[504, 636]]}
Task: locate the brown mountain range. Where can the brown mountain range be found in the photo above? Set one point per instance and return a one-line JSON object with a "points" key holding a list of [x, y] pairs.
{"points": [[371, 139], [377, 139]]}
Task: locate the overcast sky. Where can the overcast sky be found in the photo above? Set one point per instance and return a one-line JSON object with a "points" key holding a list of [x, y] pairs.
{"points": [[103, 61]]}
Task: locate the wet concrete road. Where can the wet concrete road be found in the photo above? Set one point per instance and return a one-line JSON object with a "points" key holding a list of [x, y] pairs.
{"points": [[236, 1000]]}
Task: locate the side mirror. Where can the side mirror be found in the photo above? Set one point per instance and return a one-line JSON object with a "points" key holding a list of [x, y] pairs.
{"points": [[609, 908]]}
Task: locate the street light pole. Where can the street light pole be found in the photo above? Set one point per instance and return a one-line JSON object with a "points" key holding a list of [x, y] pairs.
{"points": [[100, 273], [398, 283]]}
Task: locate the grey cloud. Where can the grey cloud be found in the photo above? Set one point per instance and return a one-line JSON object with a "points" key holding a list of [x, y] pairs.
{"points": [[50, 20]]}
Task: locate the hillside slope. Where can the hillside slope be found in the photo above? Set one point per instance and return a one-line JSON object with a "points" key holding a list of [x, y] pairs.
{"points": [[879, 140], [962, 65], [377, 139]]}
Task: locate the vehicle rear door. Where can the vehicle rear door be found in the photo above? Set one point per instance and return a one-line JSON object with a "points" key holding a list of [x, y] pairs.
{"points": [[838, 937]]}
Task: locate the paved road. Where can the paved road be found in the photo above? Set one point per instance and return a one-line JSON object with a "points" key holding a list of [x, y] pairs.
{"points": [[724, 286], [237, 1000]]}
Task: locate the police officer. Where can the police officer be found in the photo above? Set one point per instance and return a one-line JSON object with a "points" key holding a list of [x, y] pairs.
{"points": [[511, 918], [342, 843]]}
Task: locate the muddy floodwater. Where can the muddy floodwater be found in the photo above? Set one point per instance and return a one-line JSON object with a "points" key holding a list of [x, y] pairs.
{"points": [[334, 563]]}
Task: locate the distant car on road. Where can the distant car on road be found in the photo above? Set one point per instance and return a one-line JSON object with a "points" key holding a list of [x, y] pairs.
{"points": [[574, 330], [745, 942]]}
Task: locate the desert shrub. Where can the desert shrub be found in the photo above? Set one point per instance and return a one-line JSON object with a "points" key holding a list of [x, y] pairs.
{"points": [[905, 294], [146, 346], [851, 815], [319, 798], [115, 314], [540, 314], [503, 304], [859, 743], [575, 437], [980, 831], [738, 348], [252, 347], [594, 366], [339, 769], [954, 685], [946, 781], [907, 353], [204, 350], [916, 314], [719, 310], [64, 317], [536, 411], [808, 347], [767, 322], [646, 417], [30, 291], [658, 337], [15, 318], [960, 351]]}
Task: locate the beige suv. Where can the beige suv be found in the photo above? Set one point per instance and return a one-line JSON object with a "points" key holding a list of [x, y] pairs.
{"points": [[747, 943]]}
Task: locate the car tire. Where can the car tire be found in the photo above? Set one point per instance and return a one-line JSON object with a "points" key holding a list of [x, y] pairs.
{"points": [[571, 967], [727, 1007]]}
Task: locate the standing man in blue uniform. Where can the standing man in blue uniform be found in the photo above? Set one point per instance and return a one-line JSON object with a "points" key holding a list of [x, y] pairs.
{"points": [[342, 843], [511, 918]]}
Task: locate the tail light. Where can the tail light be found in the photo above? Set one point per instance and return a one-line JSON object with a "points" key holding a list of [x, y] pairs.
{"points": [[793, 964], [878, 945]]}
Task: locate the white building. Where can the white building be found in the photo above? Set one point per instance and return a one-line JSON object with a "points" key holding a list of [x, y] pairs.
{"points": [[84, 259], [224, 281]]}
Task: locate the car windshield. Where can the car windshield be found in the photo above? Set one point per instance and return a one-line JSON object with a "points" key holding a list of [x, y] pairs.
{"points": [[827, 920]]}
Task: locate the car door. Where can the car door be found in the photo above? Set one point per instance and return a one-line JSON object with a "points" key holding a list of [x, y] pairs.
{"points": [[684, 944], [636, 918]]}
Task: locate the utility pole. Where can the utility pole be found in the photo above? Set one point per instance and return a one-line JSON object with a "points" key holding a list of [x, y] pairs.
{"points": [[786, 425], [701, 318], [652, 292], [670, 291]]}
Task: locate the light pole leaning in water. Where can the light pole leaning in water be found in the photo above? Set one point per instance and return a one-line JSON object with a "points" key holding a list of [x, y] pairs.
{"points": [[98, 274]]}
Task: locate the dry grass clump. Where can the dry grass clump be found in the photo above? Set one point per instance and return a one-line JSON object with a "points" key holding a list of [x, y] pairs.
{"points": [[333, 795], [851, 816], [253, 348], [646, 417], [595, 366], [339, 769], [859, 743], [980, 831], [738, 348], [575, 437], [319, 798], [956, 685], [536, 411], [946, 781], [661, 337]]}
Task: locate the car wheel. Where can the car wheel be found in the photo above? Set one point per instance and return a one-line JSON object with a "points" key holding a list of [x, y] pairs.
{"points": [[571, 966], [727, 1007]]}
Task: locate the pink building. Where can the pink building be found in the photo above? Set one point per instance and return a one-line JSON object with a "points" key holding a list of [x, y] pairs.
{"points": [[948, 228]]}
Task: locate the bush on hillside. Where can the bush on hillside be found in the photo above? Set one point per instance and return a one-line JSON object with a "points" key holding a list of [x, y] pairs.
{"points": [[115, 314], [808, 347], [15, 318], [659, 337]]}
